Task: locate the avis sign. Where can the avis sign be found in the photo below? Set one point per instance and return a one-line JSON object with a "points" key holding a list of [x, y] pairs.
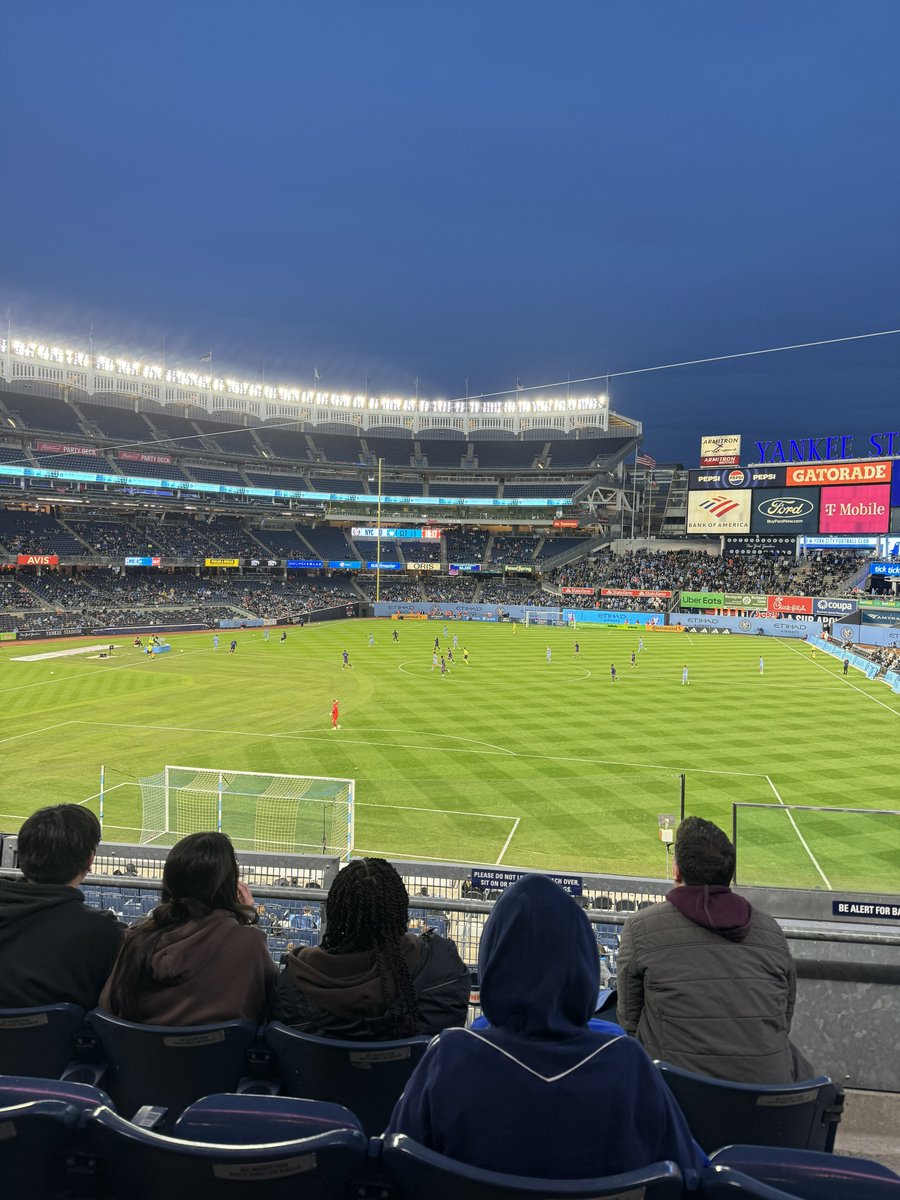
{"points": [[37, 560]]}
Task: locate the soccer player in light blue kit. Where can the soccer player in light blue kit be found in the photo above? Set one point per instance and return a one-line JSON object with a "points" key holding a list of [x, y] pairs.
{"points": [[434, 659], [549, 654], [371, 639], [456, 641], [215, 641], [640, 643], [265, 635], [684, 676], [762, 665]]}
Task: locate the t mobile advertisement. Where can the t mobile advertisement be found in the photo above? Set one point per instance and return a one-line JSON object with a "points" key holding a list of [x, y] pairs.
{"points": [[862, 509]]}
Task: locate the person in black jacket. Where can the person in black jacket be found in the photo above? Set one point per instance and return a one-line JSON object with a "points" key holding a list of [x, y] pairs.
{"points": [[370, 979], [52, 948]]}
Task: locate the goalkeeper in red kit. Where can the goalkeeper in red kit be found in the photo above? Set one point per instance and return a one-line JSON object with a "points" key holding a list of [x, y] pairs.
{"points": [[334, 715]]}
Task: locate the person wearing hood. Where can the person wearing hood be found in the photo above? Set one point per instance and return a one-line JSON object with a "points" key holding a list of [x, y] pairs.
{"points": [[198, 958], [705, 981], [369, 979], [54, 949], [540, 1091]]}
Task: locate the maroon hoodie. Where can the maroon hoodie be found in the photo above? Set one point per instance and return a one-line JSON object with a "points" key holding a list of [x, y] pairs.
{"points": [[714, 907]]}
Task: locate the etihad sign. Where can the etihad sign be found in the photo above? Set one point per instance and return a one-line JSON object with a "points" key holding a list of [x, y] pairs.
{"points": [[859, 472]]}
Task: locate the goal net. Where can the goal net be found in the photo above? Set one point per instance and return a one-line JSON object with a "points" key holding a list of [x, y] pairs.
{"points": [[549, 616], [279, 813]]}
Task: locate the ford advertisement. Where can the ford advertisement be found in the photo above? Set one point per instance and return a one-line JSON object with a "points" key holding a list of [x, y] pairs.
{"points": [[785, 510]]}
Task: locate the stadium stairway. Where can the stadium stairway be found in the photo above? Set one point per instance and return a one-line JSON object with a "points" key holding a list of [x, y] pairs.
{"points": [[870, 1127]]}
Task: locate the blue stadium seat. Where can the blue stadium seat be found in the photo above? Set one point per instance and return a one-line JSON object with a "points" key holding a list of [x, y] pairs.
{"points": [[802, 1115], [19, 1089], [138, 1164], [170, 1067], [36, 1141], [367, 1077], [803, 1174], [416, 1172], [38, 1041], [249, 1120]]}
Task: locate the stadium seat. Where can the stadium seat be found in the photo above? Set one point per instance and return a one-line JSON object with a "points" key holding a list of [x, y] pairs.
{"points": [[804, 1174], [416, 1172], [18, 1089], [38, 1041], [367, 1077], [802, 1115], [249, 1120], [170, 1067], [36, 1139], [139, 1164]]}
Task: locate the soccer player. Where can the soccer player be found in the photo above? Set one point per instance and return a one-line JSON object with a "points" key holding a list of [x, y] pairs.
{"points": [[346, 662], [577, 649], [449, 654], [640, 643], [437, 642], [265, 635], [613, 677], [633, 661], [549, 654], [684, 676], [283, 637], [233, 646], [456, 641], [396, 636], [443, 666], [434, 659], [371, 639], [846, 665], [335, 712], [446, 631], [465, 656], [762, 664]]}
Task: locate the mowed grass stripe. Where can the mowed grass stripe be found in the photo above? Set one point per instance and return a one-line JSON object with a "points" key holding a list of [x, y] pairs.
{"points": [[587, 766]]}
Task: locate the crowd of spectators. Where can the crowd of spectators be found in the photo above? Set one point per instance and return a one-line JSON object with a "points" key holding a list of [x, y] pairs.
{"points": [[516, 550], [400, 590], [465, 545], [500, 591], [695, 571], [457, 589]]}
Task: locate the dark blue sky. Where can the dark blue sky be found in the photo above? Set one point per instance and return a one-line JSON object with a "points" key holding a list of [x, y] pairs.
{"points": [[485, 189]]}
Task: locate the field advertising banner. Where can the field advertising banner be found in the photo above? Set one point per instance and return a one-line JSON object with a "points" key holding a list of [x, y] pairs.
{"points": [[855, 509], [737, 477], [719, 512], [882, 568], [789, 604], [221, 562], [37, 560], [721, 451], [702, 599], [785, 510], [757, 601], [828, 474]]}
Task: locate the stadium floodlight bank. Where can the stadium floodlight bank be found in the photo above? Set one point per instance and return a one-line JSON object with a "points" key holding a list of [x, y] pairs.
{"points": [[258, 810], [549, 616]]}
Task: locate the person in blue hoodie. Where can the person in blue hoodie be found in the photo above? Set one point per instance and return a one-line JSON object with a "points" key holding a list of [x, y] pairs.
{"points": [[540, 1092]]}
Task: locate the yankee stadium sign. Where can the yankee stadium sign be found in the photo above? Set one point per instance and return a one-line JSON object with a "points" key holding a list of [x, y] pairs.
{"points": [[827, 449]]}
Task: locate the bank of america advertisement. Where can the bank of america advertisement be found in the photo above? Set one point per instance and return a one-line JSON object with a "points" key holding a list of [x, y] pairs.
{"points": [[719, 511]]}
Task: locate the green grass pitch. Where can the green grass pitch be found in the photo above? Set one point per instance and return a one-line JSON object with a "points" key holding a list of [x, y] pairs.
{"points": [[511, 759]]}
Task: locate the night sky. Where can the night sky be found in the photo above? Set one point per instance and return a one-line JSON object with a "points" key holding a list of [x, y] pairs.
{"points": [[483, 190]]}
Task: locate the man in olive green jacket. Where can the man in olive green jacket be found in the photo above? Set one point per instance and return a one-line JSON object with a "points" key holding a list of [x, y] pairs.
{"points": [[705, 981]]}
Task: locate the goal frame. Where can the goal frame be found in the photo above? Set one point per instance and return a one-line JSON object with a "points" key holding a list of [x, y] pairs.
{"points": [[350, 784], [551, 618]]}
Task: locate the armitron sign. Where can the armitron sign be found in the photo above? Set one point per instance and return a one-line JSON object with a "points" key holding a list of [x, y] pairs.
{"points": [[721, 451], [37, 560]]}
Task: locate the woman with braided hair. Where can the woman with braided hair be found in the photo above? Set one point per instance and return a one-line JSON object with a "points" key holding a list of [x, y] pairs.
{"points": [[370, 979]]}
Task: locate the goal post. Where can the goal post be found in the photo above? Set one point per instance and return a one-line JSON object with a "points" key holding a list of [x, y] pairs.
{"points": [[549, 617], [259, 810]]}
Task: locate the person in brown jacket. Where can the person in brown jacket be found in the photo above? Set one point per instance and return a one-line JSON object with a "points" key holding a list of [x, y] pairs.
{"points": [[705, 981], [198, 958]]}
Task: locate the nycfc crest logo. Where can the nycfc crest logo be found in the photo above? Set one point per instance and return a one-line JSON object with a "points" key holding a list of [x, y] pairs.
{"points": [[745, 625]]}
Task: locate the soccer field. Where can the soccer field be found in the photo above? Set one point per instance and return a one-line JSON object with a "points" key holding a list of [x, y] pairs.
{"points": [[510, 760]]}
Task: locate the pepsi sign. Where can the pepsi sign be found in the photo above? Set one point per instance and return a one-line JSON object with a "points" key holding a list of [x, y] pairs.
{"points": [[738, 477]]}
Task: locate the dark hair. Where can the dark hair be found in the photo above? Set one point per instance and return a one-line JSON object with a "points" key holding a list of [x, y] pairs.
{"points": [[703, 853], [55, 844], [200, 875], [367, 908]]}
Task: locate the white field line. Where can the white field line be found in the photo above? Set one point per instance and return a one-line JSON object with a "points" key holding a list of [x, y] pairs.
{"points": [[506, 843], [576, 758], [803, 841], [452, 812], [841, 679], [83, 675], [33, 732]]}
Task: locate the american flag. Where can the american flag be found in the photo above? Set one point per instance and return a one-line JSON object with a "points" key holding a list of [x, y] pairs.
{"points": [[644, 460]]}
